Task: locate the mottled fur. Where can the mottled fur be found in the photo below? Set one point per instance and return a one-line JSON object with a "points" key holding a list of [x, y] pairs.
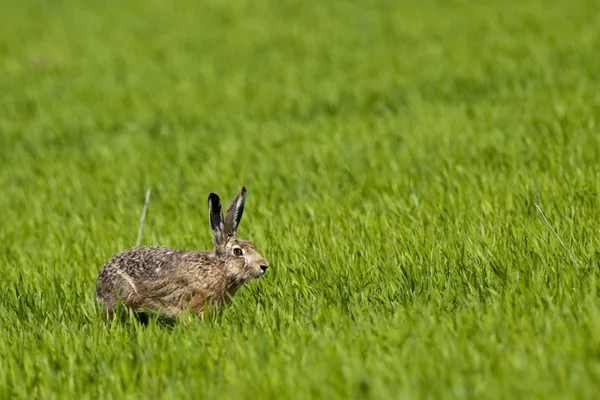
{"points": [[169, 281]]}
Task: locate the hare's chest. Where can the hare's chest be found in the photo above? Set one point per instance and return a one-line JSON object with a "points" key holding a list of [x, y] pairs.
{"points": [[208, 291]]}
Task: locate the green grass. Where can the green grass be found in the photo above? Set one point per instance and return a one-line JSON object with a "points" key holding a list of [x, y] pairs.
{"points": [[393, 152]]}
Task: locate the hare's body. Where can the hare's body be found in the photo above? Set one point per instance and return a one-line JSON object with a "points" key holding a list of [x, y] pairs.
{"points": [[159, 278], [170, 281]]}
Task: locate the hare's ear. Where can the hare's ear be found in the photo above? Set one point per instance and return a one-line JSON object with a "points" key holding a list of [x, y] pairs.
{"points": [[233, 216], [215, 215]]}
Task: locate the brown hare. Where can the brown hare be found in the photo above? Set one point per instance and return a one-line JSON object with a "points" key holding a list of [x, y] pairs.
{"points": [[169, 281]]}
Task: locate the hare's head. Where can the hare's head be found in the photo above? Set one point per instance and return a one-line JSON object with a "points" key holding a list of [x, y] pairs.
{"points": [[241, 259]]}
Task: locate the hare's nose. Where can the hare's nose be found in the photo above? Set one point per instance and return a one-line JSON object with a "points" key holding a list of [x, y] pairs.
{"points": [[263, 268]]}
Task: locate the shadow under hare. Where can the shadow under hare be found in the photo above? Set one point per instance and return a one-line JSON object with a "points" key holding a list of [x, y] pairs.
{"points": [[169, 282]]}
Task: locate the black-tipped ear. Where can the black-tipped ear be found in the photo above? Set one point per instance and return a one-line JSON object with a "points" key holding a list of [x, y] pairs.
{"points": [[233, 216], [215, 215]]}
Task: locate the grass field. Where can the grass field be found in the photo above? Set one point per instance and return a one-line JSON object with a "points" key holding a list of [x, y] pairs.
{"points": [[393, 153]]}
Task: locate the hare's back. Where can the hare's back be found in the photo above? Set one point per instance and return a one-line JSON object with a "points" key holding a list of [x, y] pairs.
{"points": [[144, 262]]}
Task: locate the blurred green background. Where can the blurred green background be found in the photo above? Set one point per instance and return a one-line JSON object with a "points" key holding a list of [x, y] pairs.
{"points": [[393, 152]]}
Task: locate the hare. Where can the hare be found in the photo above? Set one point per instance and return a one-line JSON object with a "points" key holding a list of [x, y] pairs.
{"points": [[169, 281]]}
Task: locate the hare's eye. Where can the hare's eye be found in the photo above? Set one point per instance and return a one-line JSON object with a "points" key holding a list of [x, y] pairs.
{"points": [[237, 251]]}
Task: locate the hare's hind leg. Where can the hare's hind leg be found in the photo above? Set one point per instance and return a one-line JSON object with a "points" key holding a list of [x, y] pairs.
{"points": [[115, 288]]}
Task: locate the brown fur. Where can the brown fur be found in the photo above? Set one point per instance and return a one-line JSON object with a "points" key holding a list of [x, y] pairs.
{"points": [[169, 281]]}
